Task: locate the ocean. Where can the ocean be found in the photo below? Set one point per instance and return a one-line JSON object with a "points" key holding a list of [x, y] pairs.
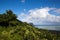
{"points": [[49, 27]]}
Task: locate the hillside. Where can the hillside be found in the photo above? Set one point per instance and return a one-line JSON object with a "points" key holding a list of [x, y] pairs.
{"points": [[13, 29]]}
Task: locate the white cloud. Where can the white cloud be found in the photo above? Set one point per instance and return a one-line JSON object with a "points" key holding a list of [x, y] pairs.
{"points": [[40, 16], [24, 9], [22, 1]]}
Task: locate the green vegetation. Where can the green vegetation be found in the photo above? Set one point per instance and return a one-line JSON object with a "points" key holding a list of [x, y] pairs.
{"points": [[13, 29]]}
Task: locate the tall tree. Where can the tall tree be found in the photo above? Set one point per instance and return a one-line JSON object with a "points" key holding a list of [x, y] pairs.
{"points": [[5, 18]]}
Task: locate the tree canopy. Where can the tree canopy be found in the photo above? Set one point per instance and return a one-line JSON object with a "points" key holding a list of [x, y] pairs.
{"points": [[5, 18]]}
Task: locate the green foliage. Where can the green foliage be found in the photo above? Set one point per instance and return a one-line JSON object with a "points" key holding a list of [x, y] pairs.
{"points": [[17, 30], [6, 18]]}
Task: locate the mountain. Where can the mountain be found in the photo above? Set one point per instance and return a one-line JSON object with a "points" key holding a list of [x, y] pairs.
{"points": [[26, 32], [17, 30]]}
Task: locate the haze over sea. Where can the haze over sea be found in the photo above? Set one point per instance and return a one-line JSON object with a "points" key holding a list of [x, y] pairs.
{"points": [[48, 27]]}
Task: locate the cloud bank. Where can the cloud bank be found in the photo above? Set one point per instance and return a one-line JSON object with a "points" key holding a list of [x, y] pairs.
{"points": [[41, 16]]}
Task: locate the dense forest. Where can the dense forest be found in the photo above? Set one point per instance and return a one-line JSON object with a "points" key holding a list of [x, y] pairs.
{"points": [[13, 29]]}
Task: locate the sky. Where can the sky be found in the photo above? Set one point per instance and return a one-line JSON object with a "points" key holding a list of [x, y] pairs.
{"points": [[38, 12]]}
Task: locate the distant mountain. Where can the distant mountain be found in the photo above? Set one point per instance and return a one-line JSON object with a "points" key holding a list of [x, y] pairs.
{"points": [[43, 25]]}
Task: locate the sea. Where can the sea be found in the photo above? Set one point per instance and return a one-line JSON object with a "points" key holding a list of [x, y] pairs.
{"points": [[48, 27]]}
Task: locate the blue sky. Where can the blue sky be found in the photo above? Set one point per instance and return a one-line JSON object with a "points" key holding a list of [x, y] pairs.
{"points": [[26, 9], [18, 6]]}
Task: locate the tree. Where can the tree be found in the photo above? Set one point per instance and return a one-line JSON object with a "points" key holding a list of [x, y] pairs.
{"points": [[10, 15], [5, 18]]}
